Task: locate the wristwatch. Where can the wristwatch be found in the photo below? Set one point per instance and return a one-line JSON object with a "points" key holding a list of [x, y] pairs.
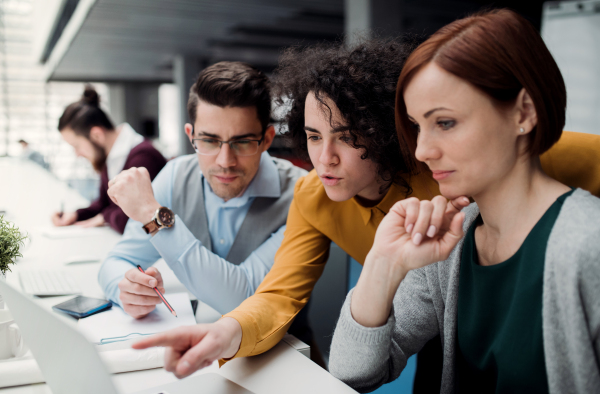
{"points": [[163, 218]]}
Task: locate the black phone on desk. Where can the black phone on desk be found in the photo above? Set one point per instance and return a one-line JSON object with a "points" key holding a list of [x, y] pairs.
{"points": [[82, 306]]}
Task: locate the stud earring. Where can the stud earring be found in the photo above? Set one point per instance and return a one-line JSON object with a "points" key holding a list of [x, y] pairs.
{"points": [[521, 130]]}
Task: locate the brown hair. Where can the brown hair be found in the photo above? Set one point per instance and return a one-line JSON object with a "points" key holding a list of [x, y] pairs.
{"points": [[84, 114], [232, 84], [499, 52]]}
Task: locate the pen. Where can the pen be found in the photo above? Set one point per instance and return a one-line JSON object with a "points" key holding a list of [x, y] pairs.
{"points": [[160, 295]]}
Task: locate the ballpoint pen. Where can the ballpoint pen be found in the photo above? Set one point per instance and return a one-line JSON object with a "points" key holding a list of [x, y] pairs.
{"points": [[160, 295]]}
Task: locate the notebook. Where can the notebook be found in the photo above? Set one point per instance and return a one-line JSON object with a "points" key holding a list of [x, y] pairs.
{"points": [[115, 325]]}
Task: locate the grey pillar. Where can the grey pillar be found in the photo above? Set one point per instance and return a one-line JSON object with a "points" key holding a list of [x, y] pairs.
{"points": [[116, 92], [362, 18], [185, 71], [136, 104]]}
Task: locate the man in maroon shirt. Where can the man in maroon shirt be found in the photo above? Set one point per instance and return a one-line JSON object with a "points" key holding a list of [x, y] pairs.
{"points": [[85, 127]]}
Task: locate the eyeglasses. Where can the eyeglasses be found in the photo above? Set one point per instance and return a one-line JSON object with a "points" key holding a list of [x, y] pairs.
{"points": [[212, 147]]}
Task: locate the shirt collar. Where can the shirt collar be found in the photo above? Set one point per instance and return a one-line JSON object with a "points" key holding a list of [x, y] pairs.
{"points": [[393, 195], [126, 140], [264, 184]]}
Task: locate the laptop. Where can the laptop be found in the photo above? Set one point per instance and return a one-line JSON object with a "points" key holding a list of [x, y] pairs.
{"points": [[70, 363]]}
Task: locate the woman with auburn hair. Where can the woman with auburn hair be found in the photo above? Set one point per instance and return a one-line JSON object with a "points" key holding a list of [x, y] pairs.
{"points": [[512, 282]]}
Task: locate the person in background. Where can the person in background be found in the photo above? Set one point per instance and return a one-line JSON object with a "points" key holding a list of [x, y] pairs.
{"points": [[87, 128], [512, 282], [342, 117], [34, 156]]}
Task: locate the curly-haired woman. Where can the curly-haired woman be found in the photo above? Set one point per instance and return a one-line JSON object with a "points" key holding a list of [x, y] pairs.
{"points": [[342, 117]]}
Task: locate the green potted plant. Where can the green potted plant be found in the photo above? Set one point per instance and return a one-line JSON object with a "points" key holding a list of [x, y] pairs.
{"points": [[11, 242]]}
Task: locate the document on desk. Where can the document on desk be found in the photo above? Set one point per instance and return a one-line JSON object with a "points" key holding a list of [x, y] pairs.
{"points": [[115, 325], [70, 232]]}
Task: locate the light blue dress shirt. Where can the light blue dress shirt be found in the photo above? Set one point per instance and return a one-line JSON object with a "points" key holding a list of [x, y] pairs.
{"points": [[207, 275]]}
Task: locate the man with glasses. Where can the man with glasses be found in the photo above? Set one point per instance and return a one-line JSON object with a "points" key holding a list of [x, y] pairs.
{"points": [[217, 217]]}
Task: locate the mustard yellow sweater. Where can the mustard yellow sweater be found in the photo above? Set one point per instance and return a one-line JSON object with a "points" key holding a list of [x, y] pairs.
{"points": [[314, 221]]}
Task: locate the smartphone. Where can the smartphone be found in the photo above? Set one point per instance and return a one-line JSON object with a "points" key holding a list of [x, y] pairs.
{"points": [[82, 306]]}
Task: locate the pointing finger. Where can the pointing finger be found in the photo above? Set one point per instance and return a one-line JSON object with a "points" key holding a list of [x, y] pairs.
{"points": [[200, 356]]}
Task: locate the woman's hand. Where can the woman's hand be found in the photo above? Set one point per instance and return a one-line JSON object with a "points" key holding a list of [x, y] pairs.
{"points": [[191, 348], [412, 235], [417, 233]]}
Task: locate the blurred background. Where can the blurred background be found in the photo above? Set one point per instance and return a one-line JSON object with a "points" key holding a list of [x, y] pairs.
{"points": [[143, 55]]}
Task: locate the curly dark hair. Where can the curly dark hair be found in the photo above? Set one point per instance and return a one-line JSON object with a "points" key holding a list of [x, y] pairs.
{"points": [[361, 81]]}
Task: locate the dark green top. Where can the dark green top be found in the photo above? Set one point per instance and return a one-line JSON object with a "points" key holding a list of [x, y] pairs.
{"points": [[500, 341]]}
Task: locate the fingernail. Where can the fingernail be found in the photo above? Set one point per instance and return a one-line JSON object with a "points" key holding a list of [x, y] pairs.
{"points": [[431, 231], [409, 228], [466, 200], [417, 238], [185, 366], [153, 282]]}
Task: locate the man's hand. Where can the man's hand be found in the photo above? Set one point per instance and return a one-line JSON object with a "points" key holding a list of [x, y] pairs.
{"points": [[60, 219], [96, 221], [132, 191], [137, 291], [195, 347]]}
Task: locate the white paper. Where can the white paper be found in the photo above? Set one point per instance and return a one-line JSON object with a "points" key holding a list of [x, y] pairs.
{"points": [[70, 232], [17, 372], [115, 324], [127, 360]]}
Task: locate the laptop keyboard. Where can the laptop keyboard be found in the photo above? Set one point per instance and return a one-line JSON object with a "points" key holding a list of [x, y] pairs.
{"points": [[48, 282]]}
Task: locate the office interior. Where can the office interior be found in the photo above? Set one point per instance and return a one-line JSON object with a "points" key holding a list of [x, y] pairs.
{"points": [[142, 57]]}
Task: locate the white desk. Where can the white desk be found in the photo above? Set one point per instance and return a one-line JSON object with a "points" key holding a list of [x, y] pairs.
{"points": [[29, 195]]}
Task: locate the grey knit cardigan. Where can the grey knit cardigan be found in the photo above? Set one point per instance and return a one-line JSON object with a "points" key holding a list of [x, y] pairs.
{"points": [[426, 304]]}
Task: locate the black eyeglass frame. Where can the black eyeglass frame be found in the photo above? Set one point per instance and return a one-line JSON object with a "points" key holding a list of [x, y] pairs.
{"points": [[229, 142]]}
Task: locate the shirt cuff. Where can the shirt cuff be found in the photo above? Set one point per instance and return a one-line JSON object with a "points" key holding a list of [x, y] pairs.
{"points": [[250, 332], [172, 242]]}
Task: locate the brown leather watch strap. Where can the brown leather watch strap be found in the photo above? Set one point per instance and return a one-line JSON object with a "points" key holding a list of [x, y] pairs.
{"points": [[150, 227]]}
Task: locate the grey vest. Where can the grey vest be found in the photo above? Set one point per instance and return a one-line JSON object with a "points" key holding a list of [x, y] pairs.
{"points": [[265, 216]]}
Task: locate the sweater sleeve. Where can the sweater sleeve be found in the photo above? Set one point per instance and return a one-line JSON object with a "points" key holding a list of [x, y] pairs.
{"points": [[367, 357], [266, 316], [153, 161], [100, 203], [589, 290]]}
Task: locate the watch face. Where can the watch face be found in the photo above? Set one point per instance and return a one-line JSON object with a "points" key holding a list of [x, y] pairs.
{"points": [[166, 217]]}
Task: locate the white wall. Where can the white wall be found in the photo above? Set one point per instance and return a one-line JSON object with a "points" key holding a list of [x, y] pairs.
{"points": [[572, 33]]}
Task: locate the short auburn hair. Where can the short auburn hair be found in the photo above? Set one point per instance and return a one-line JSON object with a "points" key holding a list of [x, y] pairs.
{"points": [[500, 53], [232, 84]]}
